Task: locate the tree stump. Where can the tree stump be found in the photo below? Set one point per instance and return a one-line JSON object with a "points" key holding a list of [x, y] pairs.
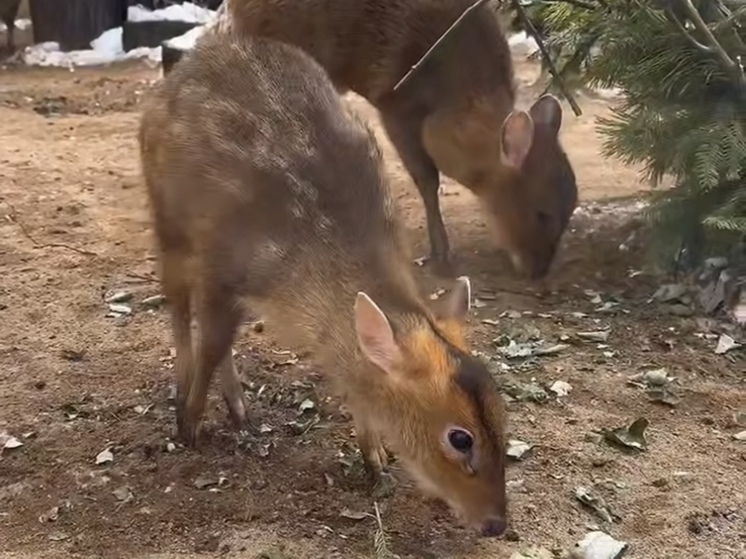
{"points": [[152, 33], [170, 56], [159, 4], [75, 23]]}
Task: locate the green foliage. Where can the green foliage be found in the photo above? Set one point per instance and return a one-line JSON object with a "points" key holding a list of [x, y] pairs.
{"points": [[682, 112]]}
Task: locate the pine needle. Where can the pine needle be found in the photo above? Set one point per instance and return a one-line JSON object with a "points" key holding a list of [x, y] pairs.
{"points": [[380, 542]]}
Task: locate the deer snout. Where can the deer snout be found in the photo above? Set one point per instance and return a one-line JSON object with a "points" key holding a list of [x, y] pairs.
{"points": [[533, 265], [494, 527]]}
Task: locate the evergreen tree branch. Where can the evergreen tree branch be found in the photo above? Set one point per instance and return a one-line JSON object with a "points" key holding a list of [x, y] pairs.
{"points": [[732, 68], [531, 30]]}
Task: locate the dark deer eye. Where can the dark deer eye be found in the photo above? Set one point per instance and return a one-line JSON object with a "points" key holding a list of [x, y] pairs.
{"points": [[460, 440]]}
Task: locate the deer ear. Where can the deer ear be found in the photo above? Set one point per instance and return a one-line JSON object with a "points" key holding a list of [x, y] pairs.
{"points": [[517, 137], [547, 111], [456, 305], [374, 334]]}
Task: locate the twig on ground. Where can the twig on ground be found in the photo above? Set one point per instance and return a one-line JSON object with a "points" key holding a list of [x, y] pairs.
{"points": [[142, 277], [531, 30], [13, 218], [431, 51]]}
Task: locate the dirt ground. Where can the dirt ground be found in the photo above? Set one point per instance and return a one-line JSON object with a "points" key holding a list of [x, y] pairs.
{"points": [[74, 229]]}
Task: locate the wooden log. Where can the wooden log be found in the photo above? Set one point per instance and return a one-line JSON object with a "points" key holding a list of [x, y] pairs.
{"points": [[152, 33], [75, 23], [170, 56]]}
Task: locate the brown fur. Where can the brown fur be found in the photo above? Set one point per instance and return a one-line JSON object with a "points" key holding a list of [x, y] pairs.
{"points": [[266, 193], [448, 118]]}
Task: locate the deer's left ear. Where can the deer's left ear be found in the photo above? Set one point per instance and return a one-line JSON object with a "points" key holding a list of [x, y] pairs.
{"points": [[547, 111], [374, 334]]}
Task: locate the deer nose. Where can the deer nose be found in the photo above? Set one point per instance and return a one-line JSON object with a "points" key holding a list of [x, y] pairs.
{"points": [[494, 527]]}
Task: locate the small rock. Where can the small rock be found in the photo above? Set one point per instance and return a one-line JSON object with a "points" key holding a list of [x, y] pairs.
{"points": [[123, 493], [58, 536], [120, 297], [154, 302], [669, 292], [599, 461], [13, 490], [73, 355], [678, 309], [203, 482], [657, 377], [511, 535], [120, 309], [50, 516], [740, 436]]}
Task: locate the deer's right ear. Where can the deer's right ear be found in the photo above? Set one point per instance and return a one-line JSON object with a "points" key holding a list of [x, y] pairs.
{"points": [[516, 138], [374, 334]]}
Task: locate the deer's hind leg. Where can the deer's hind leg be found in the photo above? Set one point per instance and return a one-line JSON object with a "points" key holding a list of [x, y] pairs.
{"points": [[218, 314], [177, 289], [230, 384]]}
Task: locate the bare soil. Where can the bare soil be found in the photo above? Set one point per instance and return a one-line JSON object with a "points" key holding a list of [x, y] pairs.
{"points": [[74, 381]]}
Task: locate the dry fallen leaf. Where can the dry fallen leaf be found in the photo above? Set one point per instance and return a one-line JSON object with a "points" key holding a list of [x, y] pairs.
{"points": [[595, 336], [663, 395], [9, 442], [104, 457], [630, 437], [353, 514], [596, 504], [203, 482], [725, 344], [533, 552], [516, 449], [560, 388], [598, 545]]}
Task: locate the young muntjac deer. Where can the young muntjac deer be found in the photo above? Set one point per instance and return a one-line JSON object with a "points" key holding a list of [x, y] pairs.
{"points": [[266, 193], [456, 115]]}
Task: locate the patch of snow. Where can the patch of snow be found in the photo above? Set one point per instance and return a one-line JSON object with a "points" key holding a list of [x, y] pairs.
{"points": [[107, 48], [20, 24], [608, 93], [522, 44], [188, 39], [188, 12]]}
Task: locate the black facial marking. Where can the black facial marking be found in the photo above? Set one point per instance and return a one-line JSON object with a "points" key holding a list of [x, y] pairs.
{"points": [[475, 381]]}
